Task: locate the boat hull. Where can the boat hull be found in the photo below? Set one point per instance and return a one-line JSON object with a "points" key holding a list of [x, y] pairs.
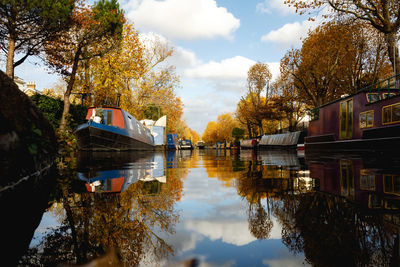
{"points": [[372, 145], [97, 137]]}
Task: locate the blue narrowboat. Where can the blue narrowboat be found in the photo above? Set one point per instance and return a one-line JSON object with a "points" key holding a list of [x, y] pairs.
{"points": [[172, 141], [112, 128]]}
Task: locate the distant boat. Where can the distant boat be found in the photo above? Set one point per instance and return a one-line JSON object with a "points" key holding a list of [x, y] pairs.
{"points": [[367, 120], [186, 144], [249, 143], [200, 144], [172, 141], [112, 128]]}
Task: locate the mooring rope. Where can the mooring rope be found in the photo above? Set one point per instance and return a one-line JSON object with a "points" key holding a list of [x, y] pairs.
{"points": [[25, 178]]}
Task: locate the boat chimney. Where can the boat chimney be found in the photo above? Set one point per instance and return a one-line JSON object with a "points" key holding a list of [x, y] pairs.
{"points": [[118, 97]]}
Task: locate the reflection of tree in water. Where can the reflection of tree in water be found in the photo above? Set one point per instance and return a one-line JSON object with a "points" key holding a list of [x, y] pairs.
{"points": [[94, 223], [333, 232], [260, 223], [251, 186]]}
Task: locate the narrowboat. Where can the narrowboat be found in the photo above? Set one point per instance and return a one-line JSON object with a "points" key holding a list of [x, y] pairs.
{"points": [[200, 144], [186, 144], [282, 140], [172, 141], [368, 120], [248, 143], [112, 128]]}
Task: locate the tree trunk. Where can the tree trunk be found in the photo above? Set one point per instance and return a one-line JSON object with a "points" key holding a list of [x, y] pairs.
{"points": [[67, 94], [260, 126], [10, 58], [393, 51]]}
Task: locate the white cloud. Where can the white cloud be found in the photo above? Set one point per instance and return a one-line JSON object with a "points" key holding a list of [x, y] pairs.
{"points": [[227, 69], [290, 34], [268, 6], [183, 19], [230, 69], [181, 57]]}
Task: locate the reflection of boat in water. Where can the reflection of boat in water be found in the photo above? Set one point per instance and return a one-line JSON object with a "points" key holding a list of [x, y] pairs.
{"points": [[115, 172], [286, 158], [361, 180], [112, 128]]}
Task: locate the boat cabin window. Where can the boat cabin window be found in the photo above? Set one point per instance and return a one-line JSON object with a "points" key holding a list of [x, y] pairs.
{"points": [[130, 123], [346, 119], [388, 95], [373, 97], [107, 117], [391, 114], [367, 119], [314, 114], [391, 184], [367, 180]]}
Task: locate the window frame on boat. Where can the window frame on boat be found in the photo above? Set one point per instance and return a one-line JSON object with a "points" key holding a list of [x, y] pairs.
{"points": [[346, 133], [366, 113], [385, 95], [391, 176], [108, 120], [390, 121], [367, 180], [369, 99]]}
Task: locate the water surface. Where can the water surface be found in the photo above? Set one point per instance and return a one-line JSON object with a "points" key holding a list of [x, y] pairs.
{"points": [[223, 208]]}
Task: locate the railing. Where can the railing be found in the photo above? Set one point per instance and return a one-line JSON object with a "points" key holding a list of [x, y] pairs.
{"points": [[386, 85]]}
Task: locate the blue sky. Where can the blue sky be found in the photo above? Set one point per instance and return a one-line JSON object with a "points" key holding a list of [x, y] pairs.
{"points": [[216, 41]]}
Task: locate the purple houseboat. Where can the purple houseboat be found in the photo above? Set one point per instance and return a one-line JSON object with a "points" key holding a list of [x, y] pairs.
{"points": [[367, 120]]}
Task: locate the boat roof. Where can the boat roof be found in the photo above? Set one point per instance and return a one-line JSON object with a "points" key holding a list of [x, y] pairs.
{"points": [[105, 107], [373, 88]]}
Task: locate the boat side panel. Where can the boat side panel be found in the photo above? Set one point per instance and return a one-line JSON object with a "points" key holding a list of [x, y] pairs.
{"points": [[97, 138], [118, 118], [328, 122]]}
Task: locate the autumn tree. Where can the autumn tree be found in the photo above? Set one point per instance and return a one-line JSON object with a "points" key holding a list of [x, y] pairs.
{"points": [[336, 58], [210, 135], [137, 71], [383, 15], [289, 102], [26, 24], [97, 24], [258, 78], [221, 130]]}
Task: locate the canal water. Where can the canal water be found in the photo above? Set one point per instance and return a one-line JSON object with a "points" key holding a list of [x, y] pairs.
{"points": [[214, 207]]}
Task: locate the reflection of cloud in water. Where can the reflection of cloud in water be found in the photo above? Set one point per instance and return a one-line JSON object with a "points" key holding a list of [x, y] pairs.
{"points": [[183, 241], [285, 259], [210, 264], [231, 232], [195, 187]]}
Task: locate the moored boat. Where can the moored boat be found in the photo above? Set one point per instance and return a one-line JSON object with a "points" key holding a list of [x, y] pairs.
{"points": [[112, 128], [249, 143], [200, 144], [367, 120], [172, 141], [186, 144]]}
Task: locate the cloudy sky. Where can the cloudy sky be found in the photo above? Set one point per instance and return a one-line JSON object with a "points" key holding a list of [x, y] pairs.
{"points": [[216, 41]]}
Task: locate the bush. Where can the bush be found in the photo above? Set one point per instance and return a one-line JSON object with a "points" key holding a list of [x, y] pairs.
{"points": [[52, 109]]}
